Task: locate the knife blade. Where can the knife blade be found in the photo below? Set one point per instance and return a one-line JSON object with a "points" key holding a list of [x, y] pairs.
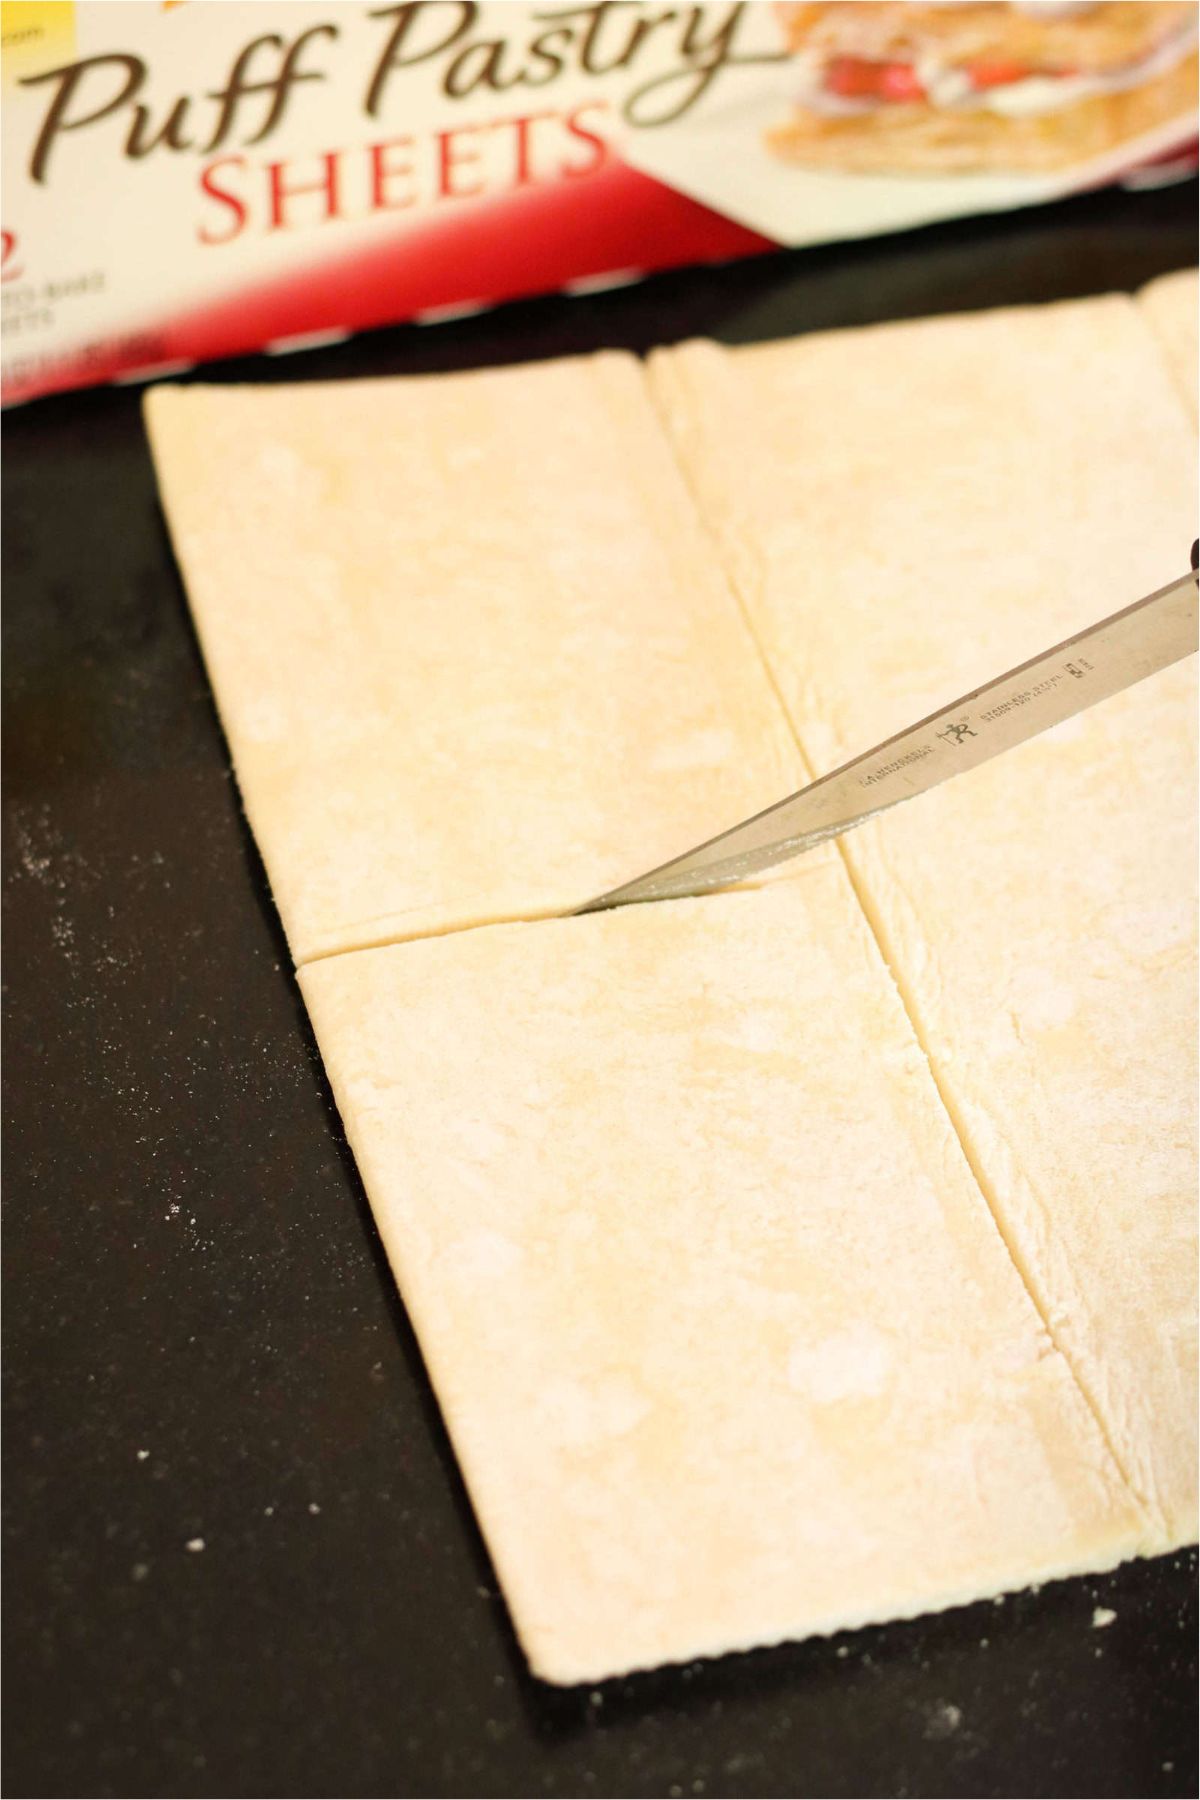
{"points": [[1064, 680]]}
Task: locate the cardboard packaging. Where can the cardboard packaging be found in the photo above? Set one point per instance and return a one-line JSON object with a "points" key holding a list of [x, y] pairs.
{"points": [[188, 179]]}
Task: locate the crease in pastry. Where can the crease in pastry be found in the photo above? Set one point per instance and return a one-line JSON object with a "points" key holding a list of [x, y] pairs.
{"points": [[1170, 305], [665, 372], [1051, 1318]]}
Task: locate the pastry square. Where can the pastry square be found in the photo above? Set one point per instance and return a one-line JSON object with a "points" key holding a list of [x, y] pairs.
{"points": [[470, 648], [725, 1336]]}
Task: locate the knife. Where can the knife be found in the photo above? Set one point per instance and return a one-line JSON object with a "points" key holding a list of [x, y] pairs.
{"points": [[1064, 680]]}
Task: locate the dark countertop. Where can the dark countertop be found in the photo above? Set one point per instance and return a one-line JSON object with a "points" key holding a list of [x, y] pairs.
{"points": [[202, 1337]]}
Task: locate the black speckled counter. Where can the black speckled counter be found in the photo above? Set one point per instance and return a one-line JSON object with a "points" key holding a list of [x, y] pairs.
{"points": [[203, 1343]]}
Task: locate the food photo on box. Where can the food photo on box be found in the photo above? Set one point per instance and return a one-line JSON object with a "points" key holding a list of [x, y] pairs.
{"points": [[600, 897]]}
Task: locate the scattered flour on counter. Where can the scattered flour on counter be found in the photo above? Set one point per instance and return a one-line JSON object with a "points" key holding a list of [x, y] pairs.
{"points": [[1102, 1616], [194, 1544], [943, 1721], [45, 860]]}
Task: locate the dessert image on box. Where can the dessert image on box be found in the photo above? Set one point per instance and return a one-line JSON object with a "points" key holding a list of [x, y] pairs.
{"points": [[960, 87]]}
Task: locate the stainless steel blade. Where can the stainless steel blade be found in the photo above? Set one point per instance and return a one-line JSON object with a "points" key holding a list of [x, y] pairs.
{"points": [[1064, 680]]}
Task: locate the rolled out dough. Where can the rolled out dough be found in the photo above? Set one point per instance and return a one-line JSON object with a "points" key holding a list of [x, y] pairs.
{"points": [[1170, 304], [727, 1342], [733, 1340], [905, 512], [472, 656]]}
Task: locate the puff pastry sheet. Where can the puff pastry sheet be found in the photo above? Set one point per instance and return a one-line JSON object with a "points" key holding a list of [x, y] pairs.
{"points": [[769, 1284], [727, 1342], [905, 512], [471, 654]]}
